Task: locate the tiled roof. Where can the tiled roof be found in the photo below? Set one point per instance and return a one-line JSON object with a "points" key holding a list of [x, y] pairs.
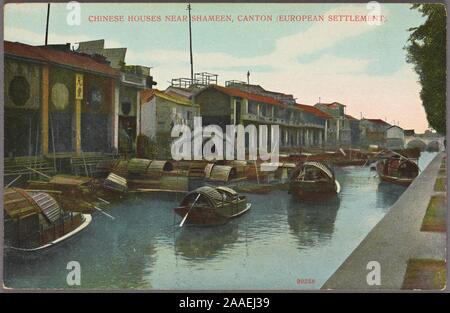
{"points": [[54, 56], [378, 121], [332, 104], [148, 94], [234, 92], [313, 110], [350, 117], [395, 126]]}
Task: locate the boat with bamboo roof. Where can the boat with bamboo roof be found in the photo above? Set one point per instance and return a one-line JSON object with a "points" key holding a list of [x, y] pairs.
{"points": [[313, 180], [216, 173], [395, 168], [210, 205], [349, 157], [137, 167], [34, 221]]}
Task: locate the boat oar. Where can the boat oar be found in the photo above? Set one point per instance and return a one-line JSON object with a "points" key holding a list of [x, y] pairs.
{"points": [[376, 154], [36, 171], [185, 217], [12, 182], [103, 200], [103, 212]]}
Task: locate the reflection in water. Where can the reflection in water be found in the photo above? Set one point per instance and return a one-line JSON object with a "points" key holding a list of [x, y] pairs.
{"points": [[111, 253], [205, 242], [312, 222], [276, 242], [387, 194]]}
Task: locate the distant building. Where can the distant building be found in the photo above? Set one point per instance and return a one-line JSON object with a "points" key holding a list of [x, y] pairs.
{"points": [[308, 115], [409, 132], [313, 116], [160, 111], [355, 133], [115, 56], [373, 132], [228, 105], [395, 137], [257, 89], [339, 129], [186, 93]]}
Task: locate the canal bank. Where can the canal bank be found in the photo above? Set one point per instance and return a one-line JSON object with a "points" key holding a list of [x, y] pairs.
{"points": [[396, 239]]}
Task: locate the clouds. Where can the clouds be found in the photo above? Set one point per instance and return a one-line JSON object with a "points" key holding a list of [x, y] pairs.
{"points": [[302, 63], [33, 37]]}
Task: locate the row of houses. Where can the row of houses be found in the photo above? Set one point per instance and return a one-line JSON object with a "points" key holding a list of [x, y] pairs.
{"points": [[57, 100], [61, 100]]}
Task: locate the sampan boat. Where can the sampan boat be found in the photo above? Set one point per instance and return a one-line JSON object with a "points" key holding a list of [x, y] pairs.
{"points": [[34, 221], [313, 180], [397, 169], [209, 205]]}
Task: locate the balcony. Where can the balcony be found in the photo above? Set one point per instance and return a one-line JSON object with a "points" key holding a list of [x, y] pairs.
{"points": [[133, 79]]}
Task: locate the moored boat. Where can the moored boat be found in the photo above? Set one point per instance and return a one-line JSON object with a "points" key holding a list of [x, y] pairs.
{"points": [[209, 205], [34, 221], [312, 180], [397, 169]]}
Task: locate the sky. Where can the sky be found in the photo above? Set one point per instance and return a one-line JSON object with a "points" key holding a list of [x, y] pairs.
{"points": [[355, 63]]}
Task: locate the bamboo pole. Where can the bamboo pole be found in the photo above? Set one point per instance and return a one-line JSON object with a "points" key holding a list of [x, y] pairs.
{"points": [[256, 170], [53, 142], [12, 182], [36, 171], [44, 190], [157, 190]]}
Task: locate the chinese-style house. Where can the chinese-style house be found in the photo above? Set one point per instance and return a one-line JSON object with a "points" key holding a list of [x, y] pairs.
{"points": [[61, 104]]}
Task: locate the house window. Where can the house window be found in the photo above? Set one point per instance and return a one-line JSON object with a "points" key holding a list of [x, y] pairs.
{"points": [[263, 109], [95, 98], [253, 108], [19, 90], [60, 96], [125, 105]]}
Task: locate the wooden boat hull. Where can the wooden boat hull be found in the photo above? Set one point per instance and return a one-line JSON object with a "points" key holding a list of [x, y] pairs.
{"points": [[312, 189], [395, 180], [261, 188], [208, 216], [87, 219], [350, 162], [390, 174]]}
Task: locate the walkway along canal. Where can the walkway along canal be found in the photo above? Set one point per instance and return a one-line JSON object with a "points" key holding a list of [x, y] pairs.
{"points": [[395, 239], [280, 244]]}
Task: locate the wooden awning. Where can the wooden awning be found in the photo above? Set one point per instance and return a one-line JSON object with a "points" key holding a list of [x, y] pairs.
{"points": [[19, 204]]}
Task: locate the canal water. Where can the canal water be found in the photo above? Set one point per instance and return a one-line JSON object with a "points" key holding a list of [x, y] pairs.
{"points": [[279, 244]]}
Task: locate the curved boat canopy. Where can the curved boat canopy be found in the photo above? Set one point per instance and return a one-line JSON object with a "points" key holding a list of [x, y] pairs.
{"points": [[142, 166], [320, 166], [222, 173], [215, 195], [20, 204]]}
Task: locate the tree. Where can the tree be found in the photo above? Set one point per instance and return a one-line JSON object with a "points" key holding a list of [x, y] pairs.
{"points": [[426, 49]]}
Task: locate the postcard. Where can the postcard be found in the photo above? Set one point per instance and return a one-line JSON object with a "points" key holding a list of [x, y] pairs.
{"points": [[224, 146]]}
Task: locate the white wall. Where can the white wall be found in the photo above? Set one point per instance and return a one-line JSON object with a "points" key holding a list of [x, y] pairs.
{"points": [[148, 118], [395, 132]]}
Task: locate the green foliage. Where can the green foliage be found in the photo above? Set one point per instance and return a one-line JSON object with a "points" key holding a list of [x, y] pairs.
{"points": [[154, 148], [426, 49], [163, 142]]}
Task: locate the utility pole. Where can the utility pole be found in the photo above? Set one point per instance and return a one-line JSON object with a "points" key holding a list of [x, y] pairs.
{"points": [[248, 81], [46, 26], [190, 44]]}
